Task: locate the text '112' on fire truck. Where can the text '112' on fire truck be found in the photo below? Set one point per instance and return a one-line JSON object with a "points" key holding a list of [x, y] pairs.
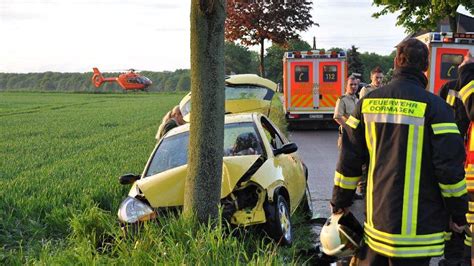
{"points": [[312, 83], [447, 51]]}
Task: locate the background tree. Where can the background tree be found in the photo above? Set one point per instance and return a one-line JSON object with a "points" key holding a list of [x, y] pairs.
{"points": [[184, 83], [274, 57], [354, 62], [371, 60], [203, 183], [423, 14], [239, 59], [253, 22], [336, 49]]}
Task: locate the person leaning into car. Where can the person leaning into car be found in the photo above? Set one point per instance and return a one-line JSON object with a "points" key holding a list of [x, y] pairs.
{"points": [[345, 105], [171, 120], [416, 187]]}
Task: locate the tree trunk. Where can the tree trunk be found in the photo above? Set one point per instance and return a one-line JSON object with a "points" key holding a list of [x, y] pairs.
{"points": [[206, 143], [453, 23], [262, 65]]}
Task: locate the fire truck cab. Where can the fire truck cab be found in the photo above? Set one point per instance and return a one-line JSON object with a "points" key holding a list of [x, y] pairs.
{"points": [[312, 83], [447, 51]]}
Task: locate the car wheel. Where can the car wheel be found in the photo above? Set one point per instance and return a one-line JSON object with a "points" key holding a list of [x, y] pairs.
{"points": [[278, 224]]}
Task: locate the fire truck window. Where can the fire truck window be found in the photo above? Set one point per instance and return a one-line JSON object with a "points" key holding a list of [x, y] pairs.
{"points": [[449, 65], [301, 74], [330, 73]]}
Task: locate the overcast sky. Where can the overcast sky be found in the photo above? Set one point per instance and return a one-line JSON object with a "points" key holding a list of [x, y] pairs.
{"points": [[76, 35]]}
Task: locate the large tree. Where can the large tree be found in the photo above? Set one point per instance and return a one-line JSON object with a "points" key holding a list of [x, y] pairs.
{"points": [[423, 14], [206, 142], [253, 22]]}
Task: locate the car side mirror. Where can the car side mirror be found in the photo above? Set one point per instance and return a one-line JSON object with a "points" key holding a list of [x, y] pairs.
{"points": [[128, 179], [286, 149]]}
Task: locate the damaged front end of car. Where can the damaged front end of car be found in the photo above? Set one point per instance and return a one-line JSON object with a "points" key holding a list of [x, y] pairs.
{"points": [[244, 206]]}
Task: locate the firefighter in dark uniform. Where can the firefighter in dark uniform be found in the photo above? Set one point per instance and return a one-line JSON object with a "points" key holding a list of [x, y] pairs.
{"points": [[457, 249], [416, 186], [466, 85]]}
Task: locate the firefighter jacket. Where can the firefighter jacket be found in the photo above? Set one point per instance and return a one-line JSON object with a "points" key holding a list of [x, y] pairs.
{"points": [[466, 83], [415, 158], [450, 92]]}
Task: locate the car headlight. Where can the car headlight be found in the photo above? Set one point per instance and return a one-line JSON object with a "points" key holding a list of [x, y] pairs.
{"points": [[132, 210]]}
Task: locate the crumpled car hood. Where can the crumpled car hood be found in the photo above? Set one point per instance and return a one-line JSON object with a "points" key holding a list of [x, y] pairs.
{"points": [[166, 189]]}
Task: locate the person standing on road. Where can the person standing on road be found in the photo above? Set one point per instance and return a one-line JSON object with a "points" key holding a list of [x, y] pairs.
{"points": [[466, 83], [345, 105], [376, 76], [416, 186]]}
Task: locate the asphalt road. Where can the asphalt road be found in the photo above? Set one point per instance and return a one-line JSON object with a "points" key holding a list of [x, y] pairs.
{"points": [[318, 149]]}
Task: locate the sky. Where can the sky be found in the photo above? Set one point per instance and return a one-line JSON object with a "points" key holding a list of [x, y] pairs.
{"points": [[114, 35]]}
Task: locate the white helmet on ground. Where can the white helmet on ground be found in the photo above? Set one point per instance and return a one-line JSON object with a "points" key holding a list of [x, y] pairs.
{"points": [[341, 235]]}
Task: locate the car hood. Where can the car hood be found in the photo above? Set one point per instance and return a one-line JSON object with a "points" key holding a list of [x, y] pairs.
{"points": [[166, 189]]}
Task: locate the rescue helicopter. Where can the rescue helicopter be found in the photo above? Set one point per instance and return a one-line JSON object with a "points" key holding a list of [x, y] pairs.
{"points": [[128, 81]]}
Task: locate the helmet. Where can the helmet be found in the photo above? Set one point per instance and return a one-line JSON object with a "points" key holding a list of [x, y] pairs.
{"points": [[341, 235]]}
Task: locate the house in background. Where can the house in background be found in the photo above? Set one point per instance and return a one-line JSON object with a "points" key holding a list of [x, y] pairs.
{"points": [[465, 24]]}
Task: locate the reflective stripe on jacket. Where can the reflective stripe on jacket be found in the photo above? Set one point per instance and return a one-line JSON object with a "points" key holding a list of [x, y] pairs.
{"points": [[415, 159]]}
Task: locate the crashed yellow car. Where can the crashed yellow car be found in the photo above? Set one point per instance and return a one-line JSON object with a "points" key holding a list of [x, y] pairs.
{"points": [[243, 93], [263, 178]]}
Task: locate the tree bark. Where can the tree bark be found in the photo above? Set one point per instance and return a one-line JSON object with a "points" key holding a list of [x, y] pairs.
{"points": [[453, 23], [262, 65], [206, 143]]}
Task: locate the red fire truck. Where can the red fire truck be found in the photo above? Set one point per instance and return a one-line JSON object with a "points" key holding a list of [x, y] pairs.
{"points": [[447, 51], [312, 82]]}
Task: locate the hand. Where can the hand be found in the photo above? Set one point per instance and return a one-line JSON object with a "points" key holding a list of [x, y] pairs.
{"points": [[340, 210], [456, 228], [467, 60]]}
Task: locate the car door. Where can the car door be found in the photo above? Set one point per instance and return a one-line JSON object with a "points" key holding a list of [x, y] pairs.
{"points": [[290, 164]]}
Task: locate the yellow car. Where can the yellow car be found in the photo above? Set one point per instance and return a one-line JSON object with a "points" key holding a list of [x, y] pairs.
{"points": [[243, 93], [263, 178]]}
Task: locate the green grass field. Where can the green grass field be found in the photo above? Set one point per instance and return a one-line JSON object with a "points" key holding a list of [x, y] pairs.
{"points": [[61, 155]]}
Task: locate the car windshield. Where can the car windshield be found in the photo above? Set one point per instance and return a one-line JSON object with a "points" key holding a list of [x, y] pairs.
{"points": [[239, 139]]}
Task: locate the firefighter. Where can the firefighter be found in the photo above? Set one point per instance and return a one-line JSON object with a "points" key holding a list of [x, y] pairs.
{"points": [[416, 186], [376, 77], [466, 85], [345, 105], [450, 93], [457, 249]]}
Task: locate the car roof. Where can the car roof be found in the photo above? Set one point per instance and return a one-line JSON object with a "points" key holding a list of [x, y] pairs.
{"points": [[229, 119]]}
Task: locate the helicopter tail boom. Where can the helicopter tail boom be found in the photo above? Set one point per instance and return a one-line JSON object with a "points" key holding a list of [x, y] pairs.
{"points": [[98, 79]]}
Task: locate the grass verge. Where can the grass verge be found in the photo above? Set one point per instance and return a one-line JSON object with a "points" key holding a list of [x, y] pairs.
{"points": [[61, 154]]}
